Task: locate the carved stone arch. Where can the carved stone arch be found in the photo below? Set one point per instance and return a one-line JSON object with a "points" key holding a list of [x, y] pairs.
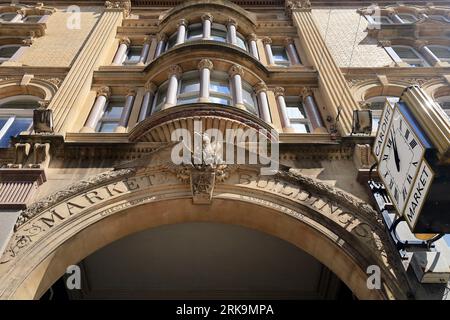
{"points": [[367, 89], [222, 10], [42, 88], [439, 89], [342, 232]]}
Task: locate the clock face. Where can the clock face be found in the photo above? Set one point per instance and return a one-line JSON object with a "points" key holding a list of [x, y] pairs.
{"points": [[400, 160]]}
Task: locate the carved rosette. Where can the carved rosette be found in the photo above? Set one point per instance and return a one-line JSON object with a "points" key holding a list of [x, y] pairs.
{"points": [[236, 70], [205, 64], [174, 70], [104, 91], [278, 91]]}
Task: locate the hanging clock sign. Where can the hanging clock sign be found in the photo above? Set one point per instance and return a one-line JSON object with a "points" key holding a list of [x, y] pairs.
{"points": [[403, 152]]}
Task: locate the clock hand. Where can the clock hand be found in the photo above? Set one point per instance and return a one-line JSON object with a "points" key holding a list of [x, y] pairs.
{"points": [[396, 156]]}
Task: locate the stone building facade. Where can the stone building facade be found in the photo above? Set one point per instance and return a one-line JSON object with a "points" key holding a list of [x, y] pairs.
{"points": [[113, 82]]}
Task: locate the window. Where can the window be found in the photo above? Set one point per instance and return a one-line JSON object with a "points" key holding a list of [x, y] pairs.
{"points": [[32, 19], [189, 88], [7, 17], [111, 116], [16, 115], [172, 41], [438, 17], [249, 98], [195, 32], [160, 98], [377, 105], [219, 88], [280, 56], [443, 53], [133, 55], [382, 20], [219, 32], [7, 51], [410, 56], [241, 42], [297, 116], [444, 102], [408, 18]]}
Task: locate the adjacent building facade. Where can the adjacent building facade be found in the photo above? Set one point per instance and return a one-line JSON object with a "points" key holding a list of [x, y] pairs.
{"points": [[89, 179]]}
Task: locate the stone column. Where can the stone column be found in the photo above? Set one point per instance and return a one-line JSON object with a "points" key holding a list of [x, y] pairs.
{"points": [[207, 19], [97, 110], [145, 50], [175, 72], [19, 16], [147, 101], [205, 66], [181, 35], [126, 112], [268, 48], [264, 111], [395, 18], [427, 53], [124, 43], [285, 122], [253, 46], [332, 83], [232, 33], [291, 50], [312, 112], [236, 72], [161, 38]]}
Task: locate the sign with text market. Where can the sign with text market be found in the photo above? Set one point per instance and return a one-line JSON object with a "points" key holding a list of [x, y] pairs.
{"points": [[416, 176]]}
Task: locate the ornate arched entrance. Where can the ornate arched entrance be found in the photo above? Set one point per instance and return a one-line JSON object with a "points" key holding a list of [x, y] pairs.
{"points": [[337, 229]]}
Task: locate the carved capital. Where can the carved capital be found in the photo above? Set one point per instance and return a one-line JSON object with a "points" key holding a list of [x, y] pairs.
{"points": [[279, 91], [252, 37], [104, 91], [297, 5], [208, 16], [261, 87], [288, 41], [419, 44], [27, 42], [150, 87], [131, 92], [125, 5], [306, 92], [148, 39], [182, 22], [205, 64], [125, 40], [175, 70], [161, 37], [236, 70], [266, 40], [43, 104], [232, 22]]}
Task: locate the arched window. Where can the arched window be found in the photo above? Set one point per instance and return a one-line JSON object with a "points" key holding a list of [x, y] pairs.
{"points": [[377, 105], [442, 52], [16, 115], [7, 51], [444, 102], [410, 56]]}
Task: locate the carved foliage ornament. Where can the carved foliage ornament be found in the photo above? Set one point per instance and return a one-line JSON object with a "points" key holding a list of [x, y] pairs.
{"points": [[298, 5], [125, 5]]}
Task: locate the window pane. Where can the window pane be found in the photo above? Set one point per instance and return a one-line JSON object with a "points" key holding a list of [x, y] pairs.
{"points": [[406, 53], [107, 127], [441, 52], [2, 122], [218, 33], [383, 20], [300, 127], [279, 54], [295, 112], [218, 86], [187, 100], [32, 19], [20, 104], [195, 32], [114, 110], [172, 41], [241, 43], [19, 125], [220, 100], [8, 52], [190, 86], [7, 16], [134, 54], [407, 18]]}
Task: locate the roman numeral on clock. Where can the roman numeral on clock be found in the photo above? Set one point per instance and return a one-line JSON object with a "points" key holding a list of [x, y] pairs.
{"points": [[404, 193], [409, 178], [407, 133], [396, 194], [391, 184], [385, 157]]}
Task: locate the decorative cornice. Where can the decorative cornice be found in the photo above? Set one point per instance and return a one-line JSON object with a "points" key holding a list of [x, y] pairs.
{"points": [[205, 64], [236, 70]]}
